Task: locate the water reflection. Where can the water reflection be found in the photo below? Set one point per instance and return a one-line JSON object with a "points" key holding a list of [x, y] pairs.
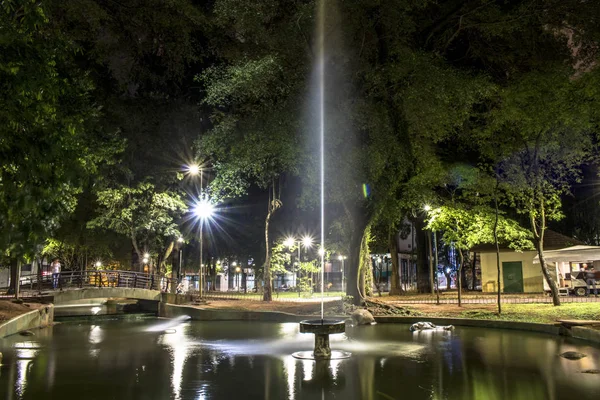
{"points": [[253, 361]]}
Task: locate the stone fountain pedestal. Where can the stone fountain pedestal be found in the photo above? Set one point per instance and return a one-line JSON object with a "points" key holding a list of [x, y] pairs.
{"points": [[322, 328]]}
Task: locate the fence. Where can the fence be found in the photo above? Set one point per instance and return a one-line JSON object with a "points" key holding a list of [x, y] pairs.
{"points": [[84, 279]]}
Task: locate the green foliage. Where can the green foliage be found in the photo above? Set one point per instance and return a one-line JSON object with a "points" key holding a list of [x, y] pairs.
{"points": [[466, 228], [145, 215], [48, 144]]}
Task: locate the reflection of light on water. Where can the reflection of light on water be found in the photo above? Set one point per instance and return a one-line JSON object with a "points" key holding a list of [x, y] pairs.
{"points": [[21, 383], [25, 353], [307, 369], [179, 349], [288, 329], [96, 334], [289, 368], [334, 365], [169, 324]]}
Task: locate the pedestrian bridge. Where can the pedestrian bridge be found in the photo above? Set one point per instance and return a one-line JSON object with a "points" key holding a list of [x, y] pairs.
{"points": [[74, 286]]}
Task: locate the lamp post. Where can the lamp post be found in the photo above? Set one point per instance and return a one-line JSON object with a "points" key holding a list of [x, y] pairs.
{"points": [[342, 258], [237, 274], [427, 209], [203, 211], [180, 245]]}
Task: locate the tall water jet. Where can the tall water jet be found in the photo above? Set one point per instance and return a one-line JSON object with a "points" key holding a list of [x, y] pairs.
{"points": [[322, 328]]}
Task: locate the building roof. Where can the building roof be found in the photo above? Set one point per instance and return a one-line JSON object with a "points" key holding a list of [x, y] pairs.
{"points": [[576, 254], [552, 241]]}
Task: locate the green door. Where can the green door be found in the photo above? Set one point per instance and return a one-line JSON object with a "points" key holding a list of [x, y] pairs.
{"points": [[512, 273]]}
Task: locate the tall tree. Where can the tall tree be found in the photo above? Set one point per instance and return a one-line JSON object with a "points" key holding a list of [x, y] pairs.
{"points": [[48, 142]]}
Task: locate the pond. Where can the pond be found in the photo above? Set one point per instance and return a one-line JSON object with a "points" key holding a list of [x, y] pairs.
{"points": [[161, 359]]}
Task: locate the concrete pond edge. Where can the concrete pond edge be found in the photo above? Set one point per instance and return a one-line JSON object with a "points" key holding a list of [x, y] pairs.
{"points": [[206, 314], [39, 318]]}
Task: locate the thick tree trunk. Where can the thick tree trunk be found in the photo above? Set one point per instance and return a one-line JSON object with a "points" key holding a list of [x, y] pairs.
{"points": [[474, 271], [422, 267], [353, 267], [395, 287], [15, 274]]}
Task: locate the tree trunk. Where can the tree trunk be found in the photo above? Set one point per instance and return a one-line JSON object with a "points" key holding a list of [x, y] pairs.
{"points": [[137, 251], [395, 287], [422, 267], [431, 284], [538, 234], [474, 271], [267, 293], [15, 275], [459, 277], [497, 250], [353, 280]]}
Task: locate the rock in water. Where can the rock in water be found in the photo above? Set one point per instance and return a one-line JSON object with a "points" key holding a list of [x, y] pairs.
{"points": [[362, 317], [26, 333], [428, 326], [591, 371], [572, 355]]}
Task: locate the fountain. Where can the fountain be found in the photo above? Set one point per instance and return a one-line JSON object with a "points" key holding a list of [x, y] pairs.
{"points": [[322, 328]]}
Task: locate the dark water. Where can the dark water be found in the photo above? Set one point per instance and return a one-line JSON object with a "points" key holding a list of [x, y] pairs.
{"points": [[250, 360]]}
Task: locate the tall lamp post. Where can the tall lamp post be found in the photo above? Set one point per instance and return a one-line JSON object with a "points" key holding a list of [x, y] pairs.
{"points": [[203, 210]]}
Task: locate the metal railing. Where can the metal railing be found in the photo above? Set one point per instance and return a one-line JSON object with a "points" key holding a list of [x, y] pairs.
{"points": [[66, 280]]}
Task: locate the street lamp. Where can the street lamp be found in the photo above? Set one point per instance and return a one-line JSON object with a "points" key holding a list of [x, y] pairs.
{"points": [[342, 258], [203, 210], [307, 242], [193, 169], [237, 272], [98, 264]]}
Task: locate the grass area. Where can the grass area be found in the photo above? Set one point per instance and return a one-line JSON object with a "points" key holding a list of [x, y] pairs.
{"points": [[540, 313], [277, 295]]}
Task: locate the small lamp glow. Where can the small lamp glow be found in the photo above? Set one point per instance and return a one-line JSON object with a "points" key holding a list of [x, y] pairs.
{"points": [[98, 264], [340, 257], [289, 242], [180, 240], [145, 260], [234, 263], [321, 252], [427, 207]]}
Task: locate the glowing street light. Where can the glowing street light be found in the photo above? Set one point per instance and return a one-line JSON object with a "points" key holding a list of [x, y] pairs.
{"points": [[146, 255], [98, 264], [145, 260], [321, 251], [427, 207], [193, 169], [289, 242], [307, 241], [204, 209], [180, 240]]}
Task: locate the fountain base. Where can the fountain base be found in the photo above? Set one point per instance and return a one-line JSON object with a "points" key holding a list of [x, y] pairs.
{"points": [[322, 328]]}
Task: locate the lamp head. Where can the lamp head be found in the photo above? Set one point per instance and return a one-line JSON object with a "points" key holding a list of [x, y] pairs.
{"points": [[203, 209], [307, 241], [193, 169]]}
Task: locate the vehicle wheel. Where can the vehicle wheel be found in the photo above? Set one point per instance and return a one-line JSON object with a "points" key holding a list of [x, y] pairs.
{"points": [[580, 291]]}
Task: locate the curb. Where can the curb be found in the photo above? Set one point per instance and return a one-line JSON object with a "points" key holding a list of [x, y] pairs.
{"points": [[588, 334], [478, 323], [204, 314], [40, 318]]}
